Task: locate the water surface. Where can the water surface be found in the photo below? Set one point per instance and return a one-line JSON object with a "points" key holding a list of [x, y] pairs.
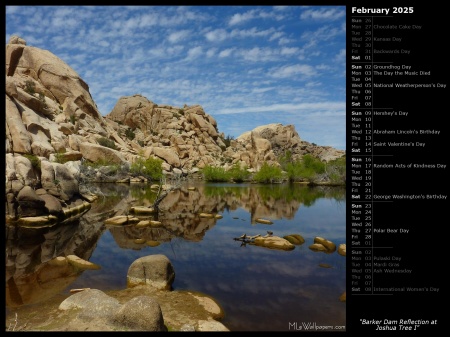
{"points": [[259, 289]]}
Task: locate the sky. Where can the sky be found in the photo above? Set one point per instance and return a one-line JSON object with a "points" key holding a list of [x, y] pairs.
{"points": [[246, 66]]}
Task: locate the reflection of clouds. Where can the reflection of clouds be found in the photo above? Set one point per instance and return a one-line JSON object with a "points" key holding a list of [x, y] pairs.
{"points": [[222, 286], [283, 268], [330, 224]]}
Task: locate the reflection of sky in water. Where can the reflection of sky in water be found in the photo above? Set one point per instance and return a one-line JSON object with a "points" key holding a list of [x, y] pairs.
{"points": [[259, 288]]}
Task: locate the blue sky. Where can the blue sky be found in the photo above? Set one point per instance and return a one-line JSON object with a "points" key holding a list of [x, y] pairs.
{"points": [[245, 65]]}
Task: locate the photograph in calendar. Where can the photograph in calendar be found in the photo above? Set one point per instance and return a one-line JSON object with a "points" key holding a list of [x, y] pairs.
{"points": [[177, 168]]}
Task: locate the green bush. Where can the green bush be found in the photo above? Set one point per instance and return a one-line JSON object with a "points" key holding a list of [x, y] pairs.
{"points": [[35, 161], [268, 174], [285, 159], [238, 173], [216, 174], [130, 134], [29, 87], [227, 140], [106, 142], [97, 164], [151, 167], [313, 163], [60, 158], [306, 169], [296, 171], [336, 170]]}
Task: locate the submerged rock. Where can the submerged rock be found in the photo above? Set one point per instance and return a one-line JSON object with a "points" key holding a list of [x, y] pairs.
{"points": [[317, 247], [329, 246], [153, 243], [295, 239], [121, 220], [80, 263], [342, 249], [264, 221], [142, 210], [274, 242]]}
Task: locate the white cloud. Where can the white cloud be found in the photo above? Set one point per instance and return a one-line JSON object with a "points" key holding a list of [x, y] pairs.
{"points": [[216, 35], [280, 8], [328, 14], [148, 20], [211, 52], [341, 56], [323, 33], [239, 18], [193, 53], [312, 109], [253, 32], [289, 51], [254, 14], [292, 70], [226, 52], [258, 54], [178, 36], [262, 90]]}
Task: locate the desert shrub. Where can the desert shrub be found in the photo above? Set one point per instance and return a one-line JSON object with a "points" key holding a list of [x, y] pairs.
{"points": [[106, 142], [97, 164], [35, 161], [306, 169], [130, 134], [215, 174], [60, 158], [336, 170], [313, 163], [30, 87], [238, 173], [268, 174], [297, 171], [227, 140], [150, 167], [285, 159]]}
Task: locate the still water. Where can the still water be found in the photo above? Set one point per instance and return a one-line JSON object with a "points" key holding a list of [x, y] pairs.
{"points": [[259, 289]]}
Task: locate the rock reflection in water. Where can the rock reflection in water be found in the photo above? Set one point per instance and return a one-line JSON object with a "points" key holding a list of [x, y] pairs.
{"points": [[180, 209], [33, 273]]}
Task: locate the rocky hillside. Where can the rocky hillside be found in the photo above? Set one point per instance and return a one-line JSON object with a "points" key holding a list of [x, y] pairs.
{"points": [[188, 137], [52, 123]]}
